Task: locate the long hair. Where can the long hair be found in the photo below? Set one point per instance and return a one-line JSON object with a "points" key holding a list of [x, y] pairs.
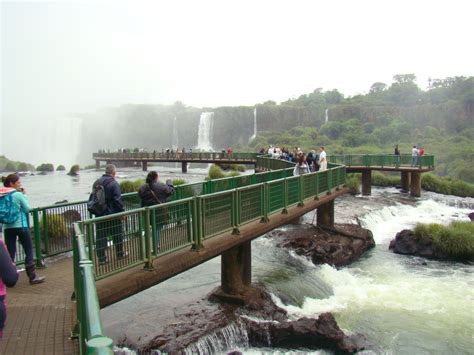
{"points": [[10, 180], [151, 177]]}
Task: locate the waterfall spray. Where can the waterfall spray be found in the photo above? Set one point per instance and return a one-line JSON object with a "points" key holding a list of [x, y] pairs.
{"points": [[206, 122], [254, 135]]}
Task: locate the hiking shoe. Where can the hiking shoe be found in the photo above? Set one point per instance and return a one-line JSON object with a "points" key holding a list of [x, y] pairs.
{"points": [[37, 280]]}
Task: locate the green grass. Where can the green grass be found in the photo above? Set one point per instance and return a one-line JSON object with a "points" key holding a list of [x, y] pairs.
{"points": [[353, 183], [456, 239], [379, 179]]}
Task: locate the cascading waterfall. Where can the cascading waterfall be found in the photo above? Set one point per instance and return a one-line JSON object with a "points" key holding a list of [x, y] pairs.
{"points": [[62, 145], [326, 115], [254, 135], [232, 337], [418, 305], [174, 138], [206, 122]]}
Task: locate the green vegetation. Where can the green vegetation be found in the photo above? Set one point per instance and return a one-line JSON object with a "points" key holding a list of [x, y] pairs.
{"points": [[45, 167], [457, 239], [7, 165], [353, 183], [74, 170], [133, 186], [61, 168], [215, 172], [57, 227], [447, 185], [381, 179]]}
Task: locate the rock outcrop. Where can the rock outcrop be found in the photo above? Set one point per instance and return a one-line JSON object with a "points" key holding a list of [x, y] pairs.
{"points": [[338, 246]]}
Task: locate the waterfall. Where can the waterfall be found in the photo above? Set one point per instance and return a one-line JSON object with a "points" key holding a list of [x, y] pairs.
{"points": [[326, 116], [229, 338], [254, 135], [174, 139], [206, 121]]}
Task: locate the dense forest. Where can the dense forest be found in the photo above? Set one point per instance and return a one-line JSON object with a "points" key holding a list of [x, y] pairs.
{"points": [[440, 118]]}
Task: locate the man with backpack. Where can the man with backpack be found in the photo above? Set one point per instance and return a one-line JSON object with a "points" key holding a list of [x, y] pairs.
{"points": [[106, 199]]}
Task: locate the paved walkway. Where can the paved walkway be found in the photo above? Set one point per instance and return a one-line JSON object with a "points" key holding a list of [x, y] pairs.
{"points": [[40, 317]]}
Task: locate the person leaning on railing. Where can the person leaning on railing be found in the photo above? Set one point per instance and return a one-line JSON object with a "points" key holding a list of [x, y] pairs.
{"points": [[153, 193], [113, 227], [20, 228]]}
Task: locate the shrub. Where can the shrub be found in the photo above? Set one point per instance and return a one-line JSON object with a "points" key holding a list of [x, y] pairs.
{"points": [[60, 168], [127, 186], [238, 167], [45, 167], [447, 186], [379, 179], [74, 170], [215, 172], [24, 167], [10, 166], [456, 239], [57, 227], [353, 183]]}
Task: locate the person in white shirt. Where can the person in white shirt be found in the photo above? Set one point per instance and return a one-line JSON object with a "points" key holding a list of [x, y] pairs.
{"points": [[323, 163], [414, 156]]}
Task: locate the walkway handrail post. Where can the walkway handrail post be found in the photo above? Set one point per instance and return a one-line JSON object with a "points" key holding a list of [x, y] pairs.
{"points": [[329, 177], [300, 191], [37, 238], [285, 197], [235, 212], [148, 240], [45, 231]]}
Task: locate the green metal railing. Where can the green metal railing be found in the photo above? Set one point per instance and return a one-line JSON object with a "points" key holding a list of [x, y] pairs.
{"points": [[382, 160], [88, 323], [188, 156]]}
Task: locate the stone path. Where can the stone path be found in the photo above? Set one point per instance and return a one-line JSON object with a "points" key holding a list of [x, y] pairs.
{"points": [[40, 317]]}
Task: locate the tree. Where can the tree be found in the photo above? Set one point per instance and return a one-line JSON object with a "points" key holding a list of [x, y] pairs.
{"points": [[378, 87], [403, 79]]}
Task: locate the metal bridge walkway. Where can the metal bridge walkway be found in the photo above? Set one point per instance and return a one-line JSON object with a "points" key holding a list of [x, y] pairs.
{"points": [[40, 317]]}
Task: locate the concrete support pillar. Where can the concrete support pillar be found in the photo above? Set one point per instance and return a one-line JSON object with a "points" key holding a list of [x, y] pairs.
{"points": [[405, 180], [184, 167], [236, 269], [97, 164], [415, 184], [325, 214], [145, 166], [366, 182]]}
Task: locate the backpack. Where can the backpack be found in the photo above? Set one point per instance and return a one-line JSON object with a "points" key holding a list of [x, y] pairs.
{"points": [[97, 204], [9, 212]]}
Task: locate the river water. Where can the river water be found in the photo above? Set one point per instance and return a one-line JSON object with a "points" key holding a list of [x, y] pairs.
{"points": [[402, 304]]}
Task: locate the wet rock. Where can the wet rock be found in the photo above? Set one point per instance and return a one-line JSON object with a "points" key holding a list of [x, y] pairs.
{"points": [[263, 322], [471, 216], [406, 243], [338, 246]]}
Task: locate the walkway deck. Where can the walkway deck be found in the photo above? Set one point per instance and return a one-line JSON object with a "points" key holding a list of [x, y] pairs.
{"points": [[40, 317]]}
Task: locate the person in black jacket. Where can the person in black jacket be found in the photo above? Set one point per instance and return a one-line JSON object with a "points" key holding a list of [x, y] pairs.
{"points": [[152, 193], [112, 227]]}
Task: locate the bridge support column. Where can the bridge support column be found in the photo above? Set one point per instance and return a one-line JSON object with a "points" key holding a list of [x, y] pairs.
{"points": [[405, 180], [415, 184], [184, 167], [97, 164], [366, 182], [325, 214], [236, 269], [145, 166]]}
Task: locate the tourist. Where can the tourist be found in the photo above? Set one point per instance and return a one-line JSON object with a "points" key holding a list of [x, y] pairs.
{"points": [[422, 151], [397, 155], [310, 160], [323, 163], [414, 156], [8, 278], [113, 227], [153, 193], [20, 228], [301, 166]]}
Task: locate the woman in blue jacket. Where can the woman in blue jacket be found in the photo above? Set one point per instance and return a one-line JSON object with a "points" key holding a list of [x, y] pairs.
{"points": [[20, 229]]}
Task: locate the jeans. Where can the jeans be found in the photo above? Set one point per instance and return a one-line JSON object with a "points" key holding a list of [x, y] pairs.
{"points": [[105, 229], [24, 237], [414, 161]]}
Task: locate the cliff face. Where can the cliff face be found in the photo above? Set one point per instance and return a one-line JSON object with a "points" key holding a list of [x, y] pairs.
{"points": [[151, 126]]}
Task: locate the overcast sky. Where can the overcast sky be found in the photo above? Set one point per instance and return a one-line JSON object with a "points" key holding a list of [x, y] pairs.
{"points": [[77, 56]]}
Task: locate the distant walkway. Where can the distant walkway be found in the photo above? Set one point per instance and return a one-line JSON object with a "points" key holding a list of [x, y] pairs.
{"points": [[40, 318]]}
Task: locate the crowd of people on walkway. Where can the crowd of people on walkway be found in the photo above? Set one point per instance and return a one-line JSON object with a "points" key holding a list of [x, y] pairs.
{"points": [[305, 162]]}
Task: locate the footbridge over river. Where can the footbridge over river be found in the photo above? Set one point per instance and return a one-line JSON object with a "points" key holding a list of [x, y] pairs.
{"points": [[145, 246]]}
